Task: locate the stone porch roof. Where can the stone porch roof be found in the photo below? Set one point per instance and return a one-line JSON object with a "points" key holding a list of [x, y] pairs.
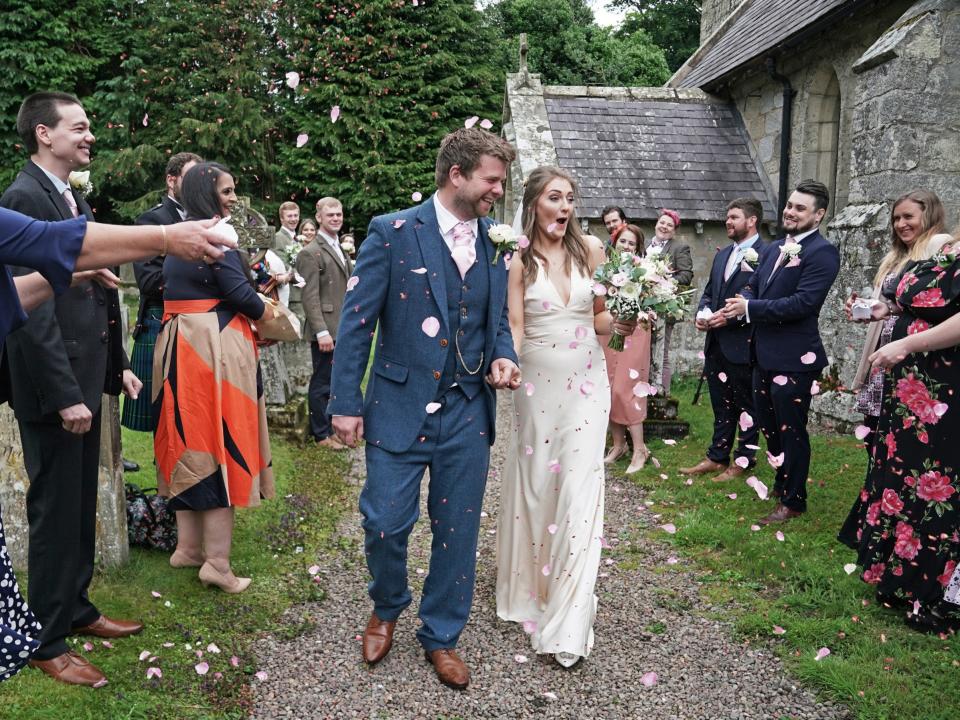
{"points": [[648, 148], [752, 31]]}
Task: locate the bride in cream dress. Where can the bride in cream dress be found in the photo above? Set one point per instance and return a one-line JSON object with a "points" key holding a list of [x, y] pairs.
{"points": [[551, 512]]}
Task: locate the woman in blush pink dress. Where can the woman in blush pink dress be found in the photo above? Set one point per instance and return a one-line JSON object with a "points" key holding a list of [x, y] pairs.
{"points": [[625, 369]]}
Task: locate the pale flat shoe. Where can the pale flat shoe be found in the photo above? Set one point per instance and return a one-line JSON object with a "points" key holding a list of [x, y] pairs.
{"points": [[182, 560], [637, 463], [567, 660], [615, 454], [209, 575]]}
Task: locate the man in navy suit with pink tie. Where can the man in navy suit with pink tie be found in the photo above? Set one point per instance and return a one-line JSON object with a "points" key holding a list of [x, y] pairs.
{"points": [[782, 302]]}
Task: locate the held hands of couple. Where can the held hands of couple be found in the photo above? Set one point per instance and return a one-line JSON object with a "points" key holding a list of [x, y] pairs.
{"points": [[504, 374]]}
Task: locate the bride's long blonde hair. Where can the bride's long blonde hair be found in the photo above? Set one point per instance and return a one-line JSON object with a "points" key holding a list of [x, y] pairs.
{"points": [[574, 245], [933, 219]]}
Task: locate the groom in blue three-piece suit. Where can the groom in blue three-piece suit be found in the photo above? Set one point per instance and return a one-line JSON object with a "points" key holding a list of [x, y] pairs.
{"points": [[782, 302], [426, 284]]}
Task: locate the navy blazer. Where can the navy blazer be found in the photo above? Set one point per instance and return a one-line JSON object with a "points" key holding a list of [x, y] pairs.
{"points": [[733, 339], [397, 283], [149, 273], [785, 310]]}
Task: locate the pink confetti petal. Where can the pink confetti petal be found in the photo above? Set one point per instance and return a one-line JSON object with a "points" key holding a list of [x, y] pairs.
{"points": [[168, 645], [213, 649], [527, 450], [520, 659], [234, 661], [352, 282], [302, 139], [293, 79], [672, 560], [599, 290], [155, 594], [649, 679], [470, 121], [861, 431], [529, 389], [774, 460], [634, 374], [758, 487], [814, 388], [430, 326], [552, 529], [808, 358], [334, 113], [529, 626], [523, 242], [398, 223], [261, 675], [580, 332], [777, 630], [669, 528], [722, 377], [144, 655], [107, 644], [202, 668], [643, 389], [313, 570], [746, 421], [741, 462], [554, 466], [779, 535], [419, 271], [756, 528], [154, 672], [940, 408], [586, 388], [701, 355], [732, 496], [780, 379], [822, 653], [417, 196], [669, 441], [688, 481], [432, 407], [604, 544], [486, 124], [146, 119], [545, 570], [850, 568]]}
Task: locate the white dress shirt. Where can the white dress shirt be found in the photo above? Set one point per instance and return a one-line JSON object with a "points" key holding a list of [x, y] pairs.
{"points": [[736, 257], [796, 239], [447, 221]]}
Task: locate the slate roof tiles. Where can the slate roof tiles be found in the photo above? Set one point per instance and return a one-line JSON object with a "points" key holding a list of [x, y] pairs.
{"points": [[644, 155]]}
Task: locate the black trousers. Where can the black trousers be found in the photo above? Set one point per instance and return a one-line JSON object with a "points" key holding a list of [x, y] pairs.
{"points": [[729, 398], [782, 409], [62, 513], [318, 394]]}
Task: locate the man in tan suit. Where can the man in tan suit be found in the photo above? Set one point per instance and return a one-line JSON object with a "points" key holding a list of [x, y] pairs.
{"points": [[325, 269]]}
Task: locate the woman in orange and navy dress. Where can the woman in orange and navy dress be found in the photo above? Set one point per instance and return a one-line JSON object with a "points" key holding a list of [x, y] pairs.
{"points": [[211, 443]]}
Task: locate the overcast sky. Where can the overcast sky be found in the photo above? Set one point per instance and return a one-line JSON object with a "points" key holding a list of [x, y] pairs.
{"points": [[604, 16]]}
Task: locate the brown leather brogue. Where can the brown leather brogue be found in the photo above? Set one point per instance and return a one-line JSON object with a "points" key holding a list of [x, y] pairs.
{"points": [[732, 472], [450, 668], [704, 466], [377, 639], [780, 514], [72, 669], [108, 628]]}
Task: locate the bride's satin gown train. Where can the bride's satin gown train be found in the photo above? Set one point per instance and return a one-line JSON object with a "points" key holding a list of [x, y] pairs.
{"points": [[551, 512]]}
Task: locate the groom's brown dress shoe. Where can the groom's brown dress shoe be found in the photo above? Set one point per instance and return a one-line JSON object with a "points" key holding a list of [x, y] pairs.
{"points": [[107, 628], [377, 639], [780, 514], [72, 669], [450, 668]]}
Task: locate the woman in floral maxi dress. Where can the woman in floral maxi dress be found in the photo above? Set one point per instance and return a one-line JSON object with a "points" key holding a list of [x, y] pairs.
{"points": [[910, 545]]}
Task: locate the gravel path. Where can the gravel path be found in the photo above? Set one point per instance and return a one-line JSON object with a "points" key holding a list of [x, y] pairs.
{"points": [[650, 619]]}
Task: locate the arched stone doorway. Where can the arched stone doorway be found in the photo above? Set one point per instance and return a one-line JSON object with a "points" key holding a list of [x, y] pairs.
{"points": [[821, 136]]}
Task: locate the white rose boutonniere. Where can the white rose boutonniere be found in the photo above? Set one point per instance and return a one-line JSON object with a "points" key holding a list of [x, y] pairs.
{"points": [[505, 241], [348, 247], [80, 181], [750, 256], [791, 249]]}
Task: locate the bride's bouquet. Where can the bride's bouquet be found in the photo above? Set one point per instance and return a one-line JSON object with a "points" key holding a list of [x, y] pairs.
{"points": [[639, 288]]}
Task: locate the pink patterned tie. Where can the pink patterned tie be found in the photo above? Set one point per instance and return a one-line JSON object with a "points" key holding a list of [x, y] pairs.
{"points": [[464, 253], [71, 203]]}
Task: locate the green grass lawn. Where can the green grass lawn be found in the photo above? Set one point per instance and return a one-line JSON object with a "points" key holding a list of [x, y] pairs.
{"points": [[275, 544], [877, 666]]}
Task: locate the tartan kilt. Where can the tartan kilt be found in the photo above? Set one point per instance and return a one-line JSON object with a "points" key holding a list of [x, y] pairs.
{"points": [[138, 414]]}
